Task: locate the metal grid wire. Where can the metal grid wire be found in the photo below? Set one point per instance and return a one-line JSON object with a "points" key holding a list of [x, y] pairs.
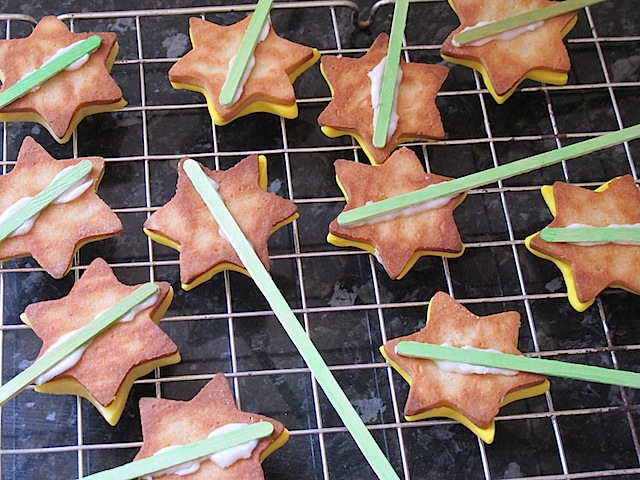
{"points": [[344, 299]]}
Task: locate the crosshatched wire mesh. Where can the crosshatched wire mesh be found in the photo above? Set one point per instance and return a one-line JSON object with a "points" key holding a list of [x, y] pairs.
{"points": [[343, 297]]}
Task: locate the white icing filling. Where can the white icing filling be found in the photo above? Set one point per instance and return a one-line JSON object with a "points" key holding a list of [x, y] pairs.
{"points": [[223, 459], [613, 225], [405, 212], [64, 364], [250, 64], [228, 457], [466, 368], [75, 356], [70, 194], [26, 226], [375, 76], [75, 65], [508, 35]]}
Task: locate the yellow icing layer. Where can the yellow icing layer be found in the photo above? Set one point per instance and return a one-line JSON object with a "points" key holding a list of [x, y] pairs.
{"points": [[277, 443], [113, 411], [486, 434], [77, 117], [538, 75], [564, 267], [334, 132], [282, 110], [209, 274]]}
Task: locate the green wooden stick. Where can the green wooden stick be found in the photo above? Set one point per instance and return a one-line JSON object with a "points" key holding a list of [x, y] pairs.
{"points": [[520, 363], [591, 234], [485, 177], [186, 453], [75, 341], [390, 74], [510, 23], [45, 197], [290, 323], [247, 46], [49, 70]]}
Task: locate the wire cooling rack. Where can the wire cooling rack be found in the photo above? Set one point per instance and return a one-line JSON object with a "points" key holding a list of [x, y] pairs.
{"points": [[343, 297]]}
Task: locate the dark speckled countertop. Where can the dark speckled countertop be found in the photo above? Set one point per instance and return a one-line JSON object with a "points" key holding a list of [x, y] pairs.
{"points": [[348, 304]]}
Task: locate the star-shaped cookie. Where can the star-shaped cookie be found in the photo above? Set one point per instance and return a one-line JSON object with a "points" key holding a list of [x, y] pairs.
{"points": [[118, 356], [588, 270], [350, 111], [506, 61], [473, 399], [278, 62], [60, 229], [167, 423], [399, 242], [186, 224], [61, 102]]}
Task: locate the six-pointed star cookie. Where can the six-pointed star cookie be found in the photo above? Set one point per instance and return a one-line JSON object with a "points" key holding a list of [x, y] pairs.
{"points": [[186, 224], [60, 229], [506, 62], [350, 111], [588, 270], [170, 422], [400, 241], [473, 399], [278, 62], [118, 356], [62, 101]]}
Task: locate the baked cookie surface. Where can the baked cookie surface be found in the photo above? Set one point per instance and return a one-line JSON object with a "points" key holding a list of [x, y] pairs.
{"points": [[115, 358], [186, 224], [400, 241], [350, 111], [61, 102], [538, 54], [278, 62], [589, 269], [60, 229], [472, 399], [171, 422]]}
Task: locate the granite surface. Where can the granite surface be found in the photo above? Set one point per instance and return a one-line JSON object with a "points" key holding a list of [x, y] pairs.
{"points": [[343, 296]]}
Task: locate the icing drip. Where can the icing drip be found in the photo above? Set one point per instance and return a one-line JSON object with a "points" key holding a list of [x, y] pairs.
{"points": [[466, 369], [405, 212], [375, 76], [613, 225], [75, 65], [508, 35], [223, 459]]}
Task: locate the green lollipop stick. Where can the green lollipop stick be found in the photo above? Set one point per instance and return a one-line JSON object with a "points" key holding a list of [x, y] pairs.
{"points": [[75, 341], [390, 74], [591, 234], [287, 318], [520, 363], [485, 177], [186, 453], [499, 26], [49, 69]]}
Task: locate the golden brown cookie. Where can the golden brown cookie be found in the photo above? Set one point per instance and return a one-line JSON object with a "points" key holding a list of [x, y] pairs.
{"points": [[60, 229], [169, 422], [278, 62], [350, 111], [186, 224], [118, 356], [398, 242], [473, 399], [61, 102], [504, 62], [588, 270]]}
